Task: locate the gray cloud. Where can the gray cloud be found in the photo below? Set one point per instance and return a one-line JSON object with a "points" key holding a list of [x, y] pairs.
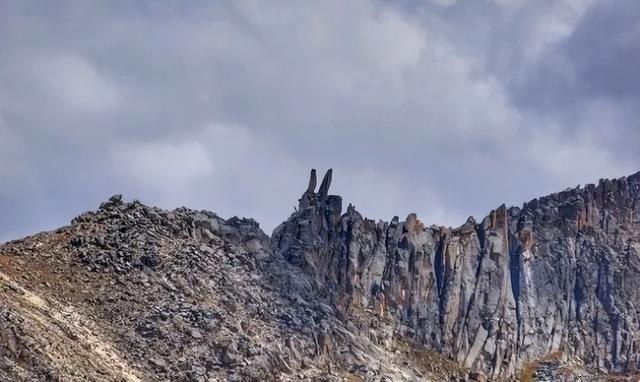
{"points": [[446, 108]]}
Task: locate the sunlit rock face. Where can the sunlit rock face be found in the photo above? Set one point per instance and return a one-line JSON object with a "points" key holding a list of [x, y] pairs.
{"points": [[559, 276], [135, 293]]}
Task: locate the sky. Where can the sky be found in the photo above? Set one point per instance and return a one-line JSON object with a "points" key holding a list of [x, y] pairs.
{"points": [[441, 107]]}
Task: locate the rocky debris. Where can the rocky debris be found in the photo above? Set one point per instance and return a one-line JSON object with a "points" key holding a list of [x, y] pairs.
{"points": [[121, 236], [552, 368], [136, 293]]}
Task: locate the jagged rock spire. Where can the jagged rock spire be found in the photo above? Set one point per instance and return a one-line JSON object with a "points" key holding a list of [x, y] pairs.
{"points": [[326, 183], [310, 196], [312, 181]]}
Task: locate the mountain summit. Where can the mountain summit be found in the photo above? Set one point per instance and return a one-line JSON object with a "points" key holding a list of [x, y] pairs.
{"points": [[134, 293]]}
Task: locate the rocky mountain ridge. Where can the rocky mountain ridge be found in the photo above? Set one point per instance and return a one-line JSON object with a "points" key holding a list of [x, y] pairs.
{"points": [[134, 293], [559, 275]]}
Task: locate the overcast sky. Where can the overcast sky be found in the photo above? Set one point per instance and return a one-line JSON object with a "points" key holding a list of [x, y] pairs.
{"points": [[440, 107]]}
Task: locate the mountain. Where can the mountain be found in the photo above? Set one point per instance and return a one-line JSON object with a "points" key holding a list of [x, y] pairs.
{"points": [[134, 293]]}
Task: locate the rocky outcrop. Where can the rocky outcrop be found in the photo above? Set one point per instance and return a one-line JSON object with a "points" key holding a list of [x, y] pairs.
{"points": [[557, 276], [135, 293]]}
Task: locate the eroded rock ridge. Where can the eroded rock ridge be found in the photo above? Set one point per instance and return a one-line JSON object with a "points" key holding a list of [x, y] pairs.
{"points": [[135, 293], [559, 276]]}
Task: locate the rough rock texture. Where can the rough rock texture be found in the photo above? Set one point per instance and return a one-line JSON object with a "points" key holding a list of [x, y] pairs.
{"points": [[558, 276], [133, 293]]}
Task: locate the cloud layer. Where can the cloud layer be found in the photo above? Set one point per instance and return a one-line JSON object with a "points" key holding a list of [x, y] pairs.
{"points": [[444, 108]]}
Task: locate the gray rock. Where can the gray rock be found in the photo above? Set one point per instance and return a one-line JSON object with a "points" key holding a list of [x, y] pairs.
{"points": [[559, 275], [550, 288]]}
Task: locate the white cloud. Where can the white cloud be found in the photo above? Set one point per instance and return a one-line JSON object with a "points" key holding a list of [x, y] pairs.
{"points": [[75, 83], [164, 169], [573, 161], [443, 3], [552, 27], [226, 106], [393, 195], [392, 42], [9, 148]]}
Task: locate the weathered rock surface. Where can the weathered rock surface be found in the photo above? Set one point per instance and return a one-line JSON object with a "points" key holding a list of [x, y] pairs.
{"points": [[133, 293], [559, 275]]}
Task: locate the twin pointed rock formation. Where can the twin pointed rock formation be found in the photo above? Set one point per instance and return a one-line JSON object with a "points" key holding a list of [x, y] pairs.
{"points": [[135, 293], [558, 276], [324, 187], [323, 191]]}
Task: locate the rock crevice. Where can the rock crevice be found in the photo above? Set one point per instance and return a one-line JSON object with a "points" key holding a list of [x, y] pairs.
{"points": [[557, 276]]}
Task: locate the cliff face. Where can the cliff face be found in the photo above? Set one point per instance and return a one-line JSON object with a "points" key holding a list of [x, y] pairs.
{"points": [[135, 293], [559, 276]]}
